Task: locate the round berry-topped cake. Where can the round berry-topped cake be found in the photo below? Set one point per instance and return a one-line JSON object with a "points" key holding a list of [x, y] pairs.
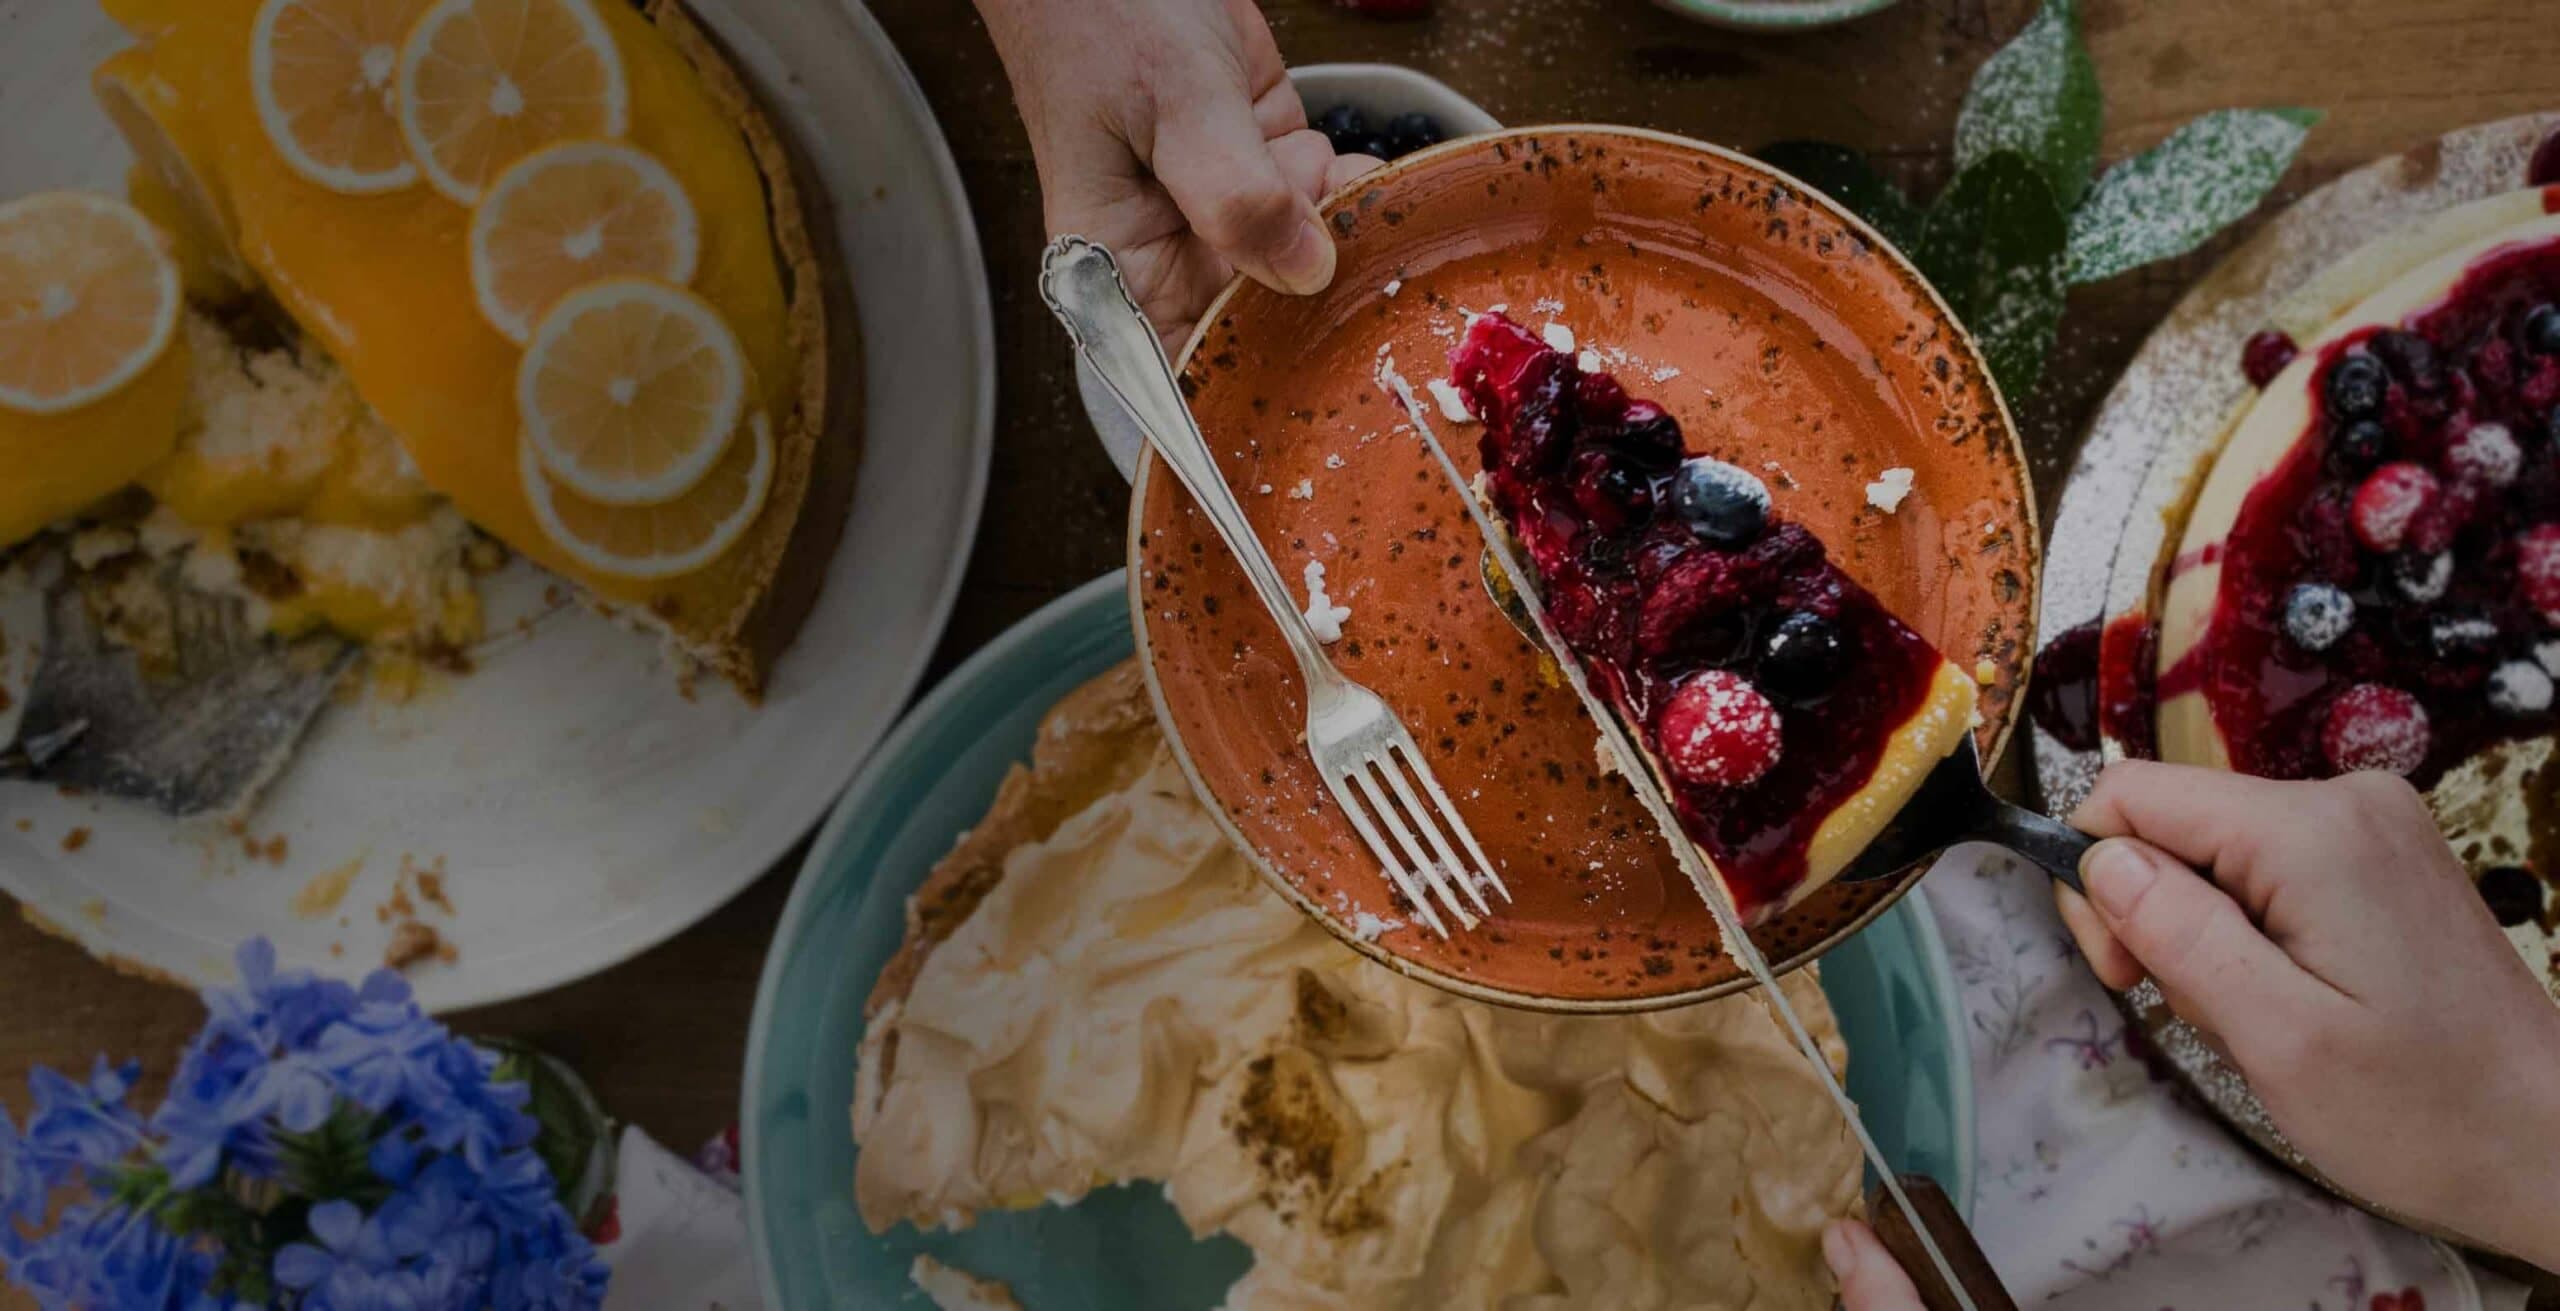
{"points": [[1787, 713], [2370, 578]]}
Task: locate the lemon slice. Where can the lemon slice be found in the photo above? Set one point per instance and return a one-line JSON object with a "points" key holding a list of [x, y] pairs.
{"points": [[321, 72], [483, 83], [657, 541], [571, 214], [88, 299], [630, 389]]}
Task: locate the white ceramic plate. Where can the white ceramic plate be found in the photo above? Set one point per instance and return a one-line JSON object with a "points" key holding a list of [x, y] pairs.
{"points": [[582, 809]]}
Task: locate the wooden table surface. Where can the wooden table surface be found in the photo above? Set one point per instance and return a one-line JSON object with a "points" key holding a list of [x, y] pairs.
{"points": [[663, 1037]]}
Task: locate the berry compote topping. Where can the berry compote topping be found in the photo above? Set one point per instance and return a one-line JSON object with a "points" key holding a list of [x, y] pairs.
{"points": [[2385, 587], [1765, 680]]}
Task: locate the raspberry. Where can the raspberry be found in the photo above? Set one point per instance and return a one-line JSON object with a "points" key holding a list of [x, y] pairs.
{"points": [[2388, 502], [1718, 731], [2542, 386], [2538, 569], [2487, 455], [2374, 727]]}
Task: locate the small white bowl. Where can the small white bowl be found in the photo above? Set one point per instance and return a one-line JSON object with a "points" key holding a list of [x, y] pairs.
{"points": [[1773, 15], [1380, 91]]}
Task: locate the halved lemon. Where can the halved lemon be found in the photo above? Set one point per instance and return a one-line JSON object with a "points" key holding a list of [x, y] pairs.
{"points": [[571, 214], [483, 83], [657, 541], [88, 299], [630, 389], [322, 74]]}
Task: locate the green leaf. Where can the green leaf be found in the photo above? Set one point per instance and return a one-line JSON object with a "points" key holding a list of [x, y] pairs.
{"points": [[1846, 176], [2170, 199], [1994, 246], [2037, 95]]}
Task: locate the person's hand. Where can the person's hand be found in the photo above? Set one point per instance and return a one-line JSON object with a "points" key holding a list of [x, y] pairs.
{"points": [[2348, 968], [1869, 1278], [1168, 131]]}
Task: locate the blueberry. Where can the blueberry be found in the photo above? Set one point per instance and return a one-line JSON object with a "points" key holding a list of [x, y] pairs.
{"points": [[2513, 893], [2356, 384], [1802, 658], [1412, 132], [2412, 359], [1346, 127], [1724, 505], [2316, 615], [2361, 445], [2542, 330], [1378, 147]]}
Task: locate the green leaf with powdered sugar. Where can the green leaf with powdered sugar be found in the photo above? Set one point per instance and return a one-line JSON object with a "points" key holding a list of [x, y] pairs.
{"points": [[2170, 199], [1994, 245], [1846, 176], [2038, 96]]}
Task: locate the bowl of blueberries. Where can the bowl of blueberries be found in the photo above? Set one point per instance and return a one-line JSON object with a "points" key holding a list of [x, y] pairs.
{"points": [[1384, 110]]}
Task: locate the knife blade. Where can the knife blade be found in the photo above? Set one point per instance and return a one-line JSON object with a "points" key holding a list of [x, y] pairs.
{"points": [[1638, 771]]}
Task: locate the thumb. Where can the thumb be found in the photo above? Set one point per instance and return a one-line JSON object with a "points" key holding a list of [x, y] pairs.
{"points": [[2216, 966], [1214, 161], [1869, 1279]]}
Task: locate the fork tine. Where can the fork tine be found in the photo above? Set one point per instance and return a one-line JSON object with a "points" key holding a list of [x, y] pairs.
{"points": [[1458, 825], [1429, 822], [1378, 847], [1430, 873]]}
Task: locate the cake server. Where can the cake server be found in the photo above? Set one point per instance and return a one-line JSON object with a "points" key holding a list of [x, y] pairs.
{"points": [[204, 735], [1367, 756], [1639, 776]]}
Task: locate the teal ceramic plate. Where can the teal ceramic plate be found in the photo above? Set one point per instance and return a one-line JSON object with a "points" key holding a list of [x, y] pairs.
{"points": [[935, 777]]}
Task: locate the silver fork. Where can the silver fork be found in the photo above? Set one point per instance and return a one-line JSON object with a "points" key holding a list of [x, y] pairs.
{"points": [[1366, 755]]}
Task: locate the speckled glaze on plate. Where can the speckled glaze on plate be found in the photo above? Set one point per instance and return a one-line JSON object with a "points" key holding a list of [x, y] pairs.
{"points": [[1783, 334], [2154, 438]]}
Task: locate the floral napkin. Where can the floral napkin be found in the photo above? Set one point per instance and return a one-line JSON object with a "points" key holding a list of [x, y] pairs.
{"points": [[2099, 1187]]}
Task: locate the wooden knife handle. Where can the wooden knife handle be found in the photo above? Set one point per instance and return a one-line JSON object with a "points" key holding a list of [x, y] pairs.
{"points": [[1944, 1223]]}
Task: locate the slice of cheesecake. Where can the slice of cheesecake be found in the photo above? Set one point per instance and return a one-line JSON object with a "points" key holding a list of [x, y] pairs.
{"points": [[1787, 714], [2370, 575]]}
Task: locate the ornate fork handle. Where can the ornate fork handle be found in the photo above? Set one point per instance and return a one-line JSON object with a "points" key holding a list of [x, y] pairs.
{"points": [[1082, 285]]}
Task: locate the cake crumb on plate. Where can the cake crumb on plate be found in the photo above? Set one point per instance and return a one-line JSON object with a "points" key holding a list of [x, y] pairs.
{"points": [[1886, 493], [954, 1289]]}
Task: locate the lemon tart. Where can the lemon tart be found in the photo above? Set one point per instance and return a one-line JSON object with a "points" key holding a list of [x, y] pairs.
{"points": [[444, 291]]}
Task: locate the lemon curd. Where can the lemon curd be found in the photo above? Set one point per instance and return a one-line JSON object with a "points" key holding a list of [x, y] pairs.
{"points": [[382, 284]]}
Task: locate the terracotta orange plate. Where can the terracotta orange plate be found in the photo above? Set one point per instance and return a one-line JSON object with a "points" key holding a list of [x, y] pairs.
{"points": [[1784, 335]]}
